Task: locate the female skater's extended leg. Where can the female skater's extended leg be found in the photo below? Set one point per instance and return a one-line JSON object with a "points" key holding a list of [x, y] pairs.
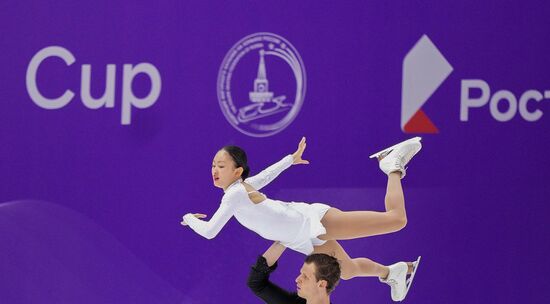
{"points": [[356, 267], [350, 268], [342, 225], [394, 275]]}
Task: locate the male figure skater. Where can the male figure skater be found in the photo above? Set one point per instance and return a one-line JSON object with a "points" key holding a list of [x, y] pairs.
{"points": [[318, 277]]}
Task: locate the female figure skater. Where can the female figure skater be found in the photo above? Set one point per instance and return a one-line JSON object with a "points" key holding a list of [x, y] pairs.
{"points": [[311, 228]]}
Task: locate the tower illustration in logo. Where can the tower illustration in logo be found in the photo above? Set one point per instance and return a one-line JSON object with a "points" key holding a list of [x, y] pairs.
{"points": [[261, 97], [261, 112], [261, 84], [424, 70]]}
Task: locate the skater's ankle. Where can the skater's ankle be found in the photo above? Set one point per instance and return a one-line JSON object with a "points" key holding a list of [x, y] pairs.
{"points": [[385, 273], [395, 173]]}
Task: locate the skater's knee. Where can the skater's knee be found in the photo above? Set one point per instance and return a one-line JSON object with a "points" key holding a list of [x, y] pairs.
{"points": [[346, 276], [348, 269], [402, 222], [398, 220], [348, 272]]}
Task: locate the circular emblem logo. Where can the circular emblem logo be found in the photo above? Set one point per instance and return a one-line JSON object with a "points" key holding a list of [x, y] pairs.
{"points": [[261, 84]]}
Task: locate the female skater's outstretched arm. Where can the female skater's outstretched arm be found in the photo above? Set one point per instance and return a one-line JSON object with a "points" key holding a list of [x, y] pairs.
{"points": [[209, 229], [263, 178]]}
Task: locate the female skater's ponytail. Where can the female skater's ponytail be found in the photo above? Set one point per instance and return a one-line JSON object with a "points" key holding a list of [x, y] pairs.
{"points": [[239, 157]]}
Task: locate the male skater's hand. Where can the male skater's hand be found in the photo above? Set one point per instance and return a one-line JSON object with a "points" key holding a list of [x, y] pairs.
{"points": [[298, 154], [197, 215]]}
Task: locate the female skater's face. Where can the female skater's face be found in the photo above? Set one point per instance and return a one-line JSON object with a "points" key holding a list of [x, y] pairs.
{"points": [[224, 172]]}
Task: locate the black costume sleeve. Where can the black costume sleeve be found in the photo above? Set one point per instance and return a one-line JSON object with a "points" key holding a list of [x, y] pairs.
{"points": [[258, 282]]}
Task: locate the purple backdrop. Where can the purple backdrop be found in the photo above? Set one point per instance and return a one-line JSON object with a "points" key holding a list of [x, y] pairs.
{"points": [[90, 206]]}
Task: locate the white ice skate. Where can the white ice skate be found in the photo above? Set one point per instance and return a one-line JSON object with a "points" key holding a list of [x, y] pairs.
{"points": [[397, 279], [395, 158], [388, 150]]}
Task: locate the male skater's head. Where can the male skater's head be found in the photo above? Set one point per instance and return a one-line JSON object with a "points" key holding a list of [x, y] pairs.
{"points": [[318, 276]]}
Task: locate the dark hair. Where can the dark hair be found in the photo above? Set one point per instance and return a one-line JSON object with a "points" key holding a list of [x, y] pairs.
{"points": [[327, 268], [239, 157]]}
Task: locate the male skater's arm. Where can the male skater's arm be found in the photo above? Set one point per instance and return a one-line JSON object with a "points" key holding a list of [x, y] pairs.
{"points": [[273, 253], [258, 280]]}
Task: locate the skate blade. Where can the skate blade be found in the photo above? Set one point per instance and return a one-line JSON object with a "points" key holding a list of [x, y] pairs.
{"points": [[418, 138], [410, 279]]}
